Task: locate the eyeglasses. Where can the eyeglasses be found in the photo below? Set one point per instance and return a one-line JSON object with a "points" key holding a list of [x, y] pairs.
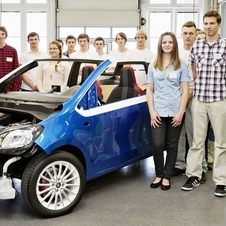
{"points": [[53, 48]]}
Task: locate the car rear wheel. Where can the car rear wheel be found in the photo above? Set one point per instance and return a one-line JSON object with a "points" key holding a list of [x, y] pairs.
{"points": [[52, 185]]}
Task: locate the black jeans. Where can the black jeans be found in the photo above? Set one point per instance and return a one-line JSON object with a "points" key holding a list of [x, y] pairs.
{"points": [[165, 137]]}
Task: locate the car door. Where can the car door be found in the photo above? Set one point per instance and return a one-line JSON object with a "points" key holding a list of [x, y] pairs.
{"points": [[121, 133]]}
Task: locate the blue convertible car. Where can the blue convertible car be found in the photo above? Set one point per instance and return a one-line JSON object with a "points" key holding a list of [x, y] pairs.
{"points": [[55, 142]]}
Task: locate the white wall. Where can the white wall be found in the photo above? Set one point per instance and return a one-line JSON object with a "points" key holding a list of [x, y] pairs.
{"points": [[98, 13]]}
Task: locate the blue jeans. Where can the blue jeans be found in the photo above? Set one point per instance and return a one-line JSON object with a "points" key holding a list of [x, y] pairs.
{"points": [[165, 137]]}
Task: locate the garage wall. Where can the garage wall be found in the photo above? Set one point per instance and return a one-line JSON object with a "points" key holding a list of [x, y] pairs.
{"points": [[98, 13]]}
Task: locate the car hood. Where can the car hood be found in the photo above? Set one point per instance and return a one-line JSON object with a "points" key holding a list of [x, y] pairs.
{"points": [[41, 105]]}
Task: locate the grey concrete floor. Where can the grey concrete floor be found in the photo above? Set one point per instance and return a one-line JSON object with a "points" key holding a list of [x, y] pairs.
{"points": [[124, 197]]}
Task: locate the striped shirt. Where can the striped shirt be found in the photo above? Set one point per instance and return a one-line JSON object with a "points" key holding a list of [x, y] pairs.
{"points": [[9, 62], [210, 61]]}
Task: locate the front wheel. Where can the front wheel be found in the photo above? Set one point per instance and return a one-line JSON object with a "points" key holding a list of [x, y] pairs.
{"points": [[52, 185]]}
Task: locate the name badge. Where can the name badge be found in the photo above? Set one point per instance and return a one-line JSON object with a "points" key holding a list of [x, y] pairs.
{"points": [[172, 75], [9, 59], [217, 56]]}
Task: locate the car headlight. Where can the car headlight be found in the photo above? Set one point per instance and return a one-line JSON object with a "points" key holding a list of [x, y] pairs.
{"points": [[19, 137]]}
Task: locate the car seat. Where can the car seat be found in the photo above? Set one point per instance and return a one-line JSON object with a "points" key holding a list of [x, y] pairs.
{"points": [[86, 71], [131, 70], [127, 87]]}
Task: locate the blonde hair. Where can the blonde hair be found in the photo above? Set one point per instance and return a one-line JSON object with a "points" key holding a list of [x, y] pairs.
{"points": [[200, 32], [141, 33], [175, 59]]}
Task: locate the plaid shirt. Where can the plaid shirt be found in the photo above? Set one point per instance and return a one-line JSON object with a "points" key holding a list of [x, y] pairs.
{"points": [[210, 61], [9, 62]]}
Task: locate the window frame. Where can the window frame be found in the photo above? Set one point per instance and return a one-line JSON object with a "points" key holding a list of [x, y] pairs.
{"points": [[23, 7]]}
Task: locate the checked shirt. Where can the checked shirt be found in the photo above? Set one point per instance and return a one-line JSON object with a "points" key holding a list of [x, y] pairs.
{"points": [[210, 61], [9, 62]]}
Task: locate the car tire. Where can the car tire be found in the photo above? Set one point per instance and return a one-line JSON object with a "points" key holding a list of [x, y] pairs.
{"points": [[52, 185]]}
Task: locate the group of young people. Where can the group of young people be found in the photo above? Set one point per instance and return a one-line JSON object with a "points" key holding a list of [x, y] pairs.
{"points": [[37, 79], [186, 89], [56, 72]]}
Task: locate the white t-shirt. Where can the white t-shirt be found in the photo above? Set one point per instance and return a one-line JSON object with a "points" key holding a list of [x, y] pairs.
{"points": [[104, 56], [89, 54], [184, 55], [27, 56], [117, 56], [140, 55]]}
